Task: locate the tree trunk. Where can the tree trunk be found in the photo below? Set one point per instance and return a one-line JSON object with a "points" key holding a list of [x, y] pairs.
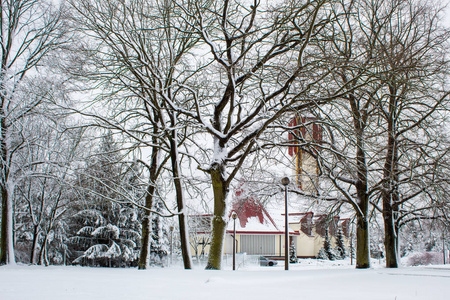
{"points": [[390, 191], [6, 233], [7, 240], [362, 224], [33, 245], [145, 239], [362, 243], [390, 236], [220, 187], [146, 229], [182, 222], [146, 222], [389, 217], [43, 259], [184, 240], [362, 231]]}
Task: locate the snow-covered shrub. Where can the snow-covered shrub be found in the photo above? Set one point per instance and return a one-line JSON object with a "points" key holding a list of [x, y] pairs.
{"points": [[406, 249], [425, 258], [90, 216], [322, 254], [107, 246], [106, 232], [113, 251], [159, 244], [96, 251], [103, 232]]}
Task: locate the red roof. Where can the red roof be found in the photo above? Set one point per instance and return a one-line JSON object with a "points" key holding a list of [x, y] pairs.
{"points": [[247, 207]]}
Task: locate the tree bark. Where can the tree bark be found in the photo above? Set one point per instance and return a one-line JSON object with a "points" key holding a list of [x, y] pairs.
{"points": [[145, 238], [7, 241], [362, 228], [390, 193], [390, 236], [34, 244], [220, 187], [6, 234], [182, 220], [362, 243], [146, 229], [146, 222], [43, 259]]}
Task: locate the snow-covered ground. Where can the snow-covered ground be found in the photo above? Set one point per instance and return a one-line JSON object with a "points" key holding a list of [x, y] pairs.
{"points": [[309, 279]]}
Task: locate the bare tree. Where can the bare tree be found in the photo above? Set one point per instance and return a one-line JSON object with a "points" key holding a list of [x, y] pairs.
{"points": [[29, 31], [256, 72], [410, 50], [379, 142], [344, 151], [140, 61], [42, 189]]}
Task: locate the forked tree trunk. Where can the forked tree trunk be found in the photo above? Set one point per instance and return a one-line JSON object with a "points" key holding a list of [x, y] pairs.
{"points": [[220, 188], [34, 245], [43, 258]]}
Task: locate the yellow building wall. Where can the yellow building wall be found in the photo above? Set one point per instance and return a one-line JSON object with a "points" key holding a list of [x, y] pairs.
{"points": [[228, 244], [309, 246], [193, 241], [307, 169], [306, 246], [279, 246]]}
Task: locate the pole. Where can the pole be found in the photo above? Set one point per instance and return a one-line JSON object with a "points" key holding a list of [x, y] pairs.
{"points": [[234, 242], [285, 181], [171, 228], [286, 234], [443, 247]]}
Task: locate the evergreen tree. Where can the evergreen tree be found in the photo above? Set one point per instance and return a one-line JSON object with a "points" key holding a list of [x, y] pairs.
{"points": [[322, 254], [340, 251], [160, 242], [105, 233], [327, 247], [292, 255]]}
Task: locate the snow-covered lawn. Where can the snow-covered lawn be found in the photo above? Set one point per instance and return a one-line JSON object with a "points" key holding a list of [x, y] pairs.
{"points": [[307, 280]]}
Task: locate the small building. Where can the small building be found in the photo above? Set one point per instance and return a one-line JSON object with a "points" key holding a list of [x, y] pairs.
{"points": [[256, 235], [261, 232]]}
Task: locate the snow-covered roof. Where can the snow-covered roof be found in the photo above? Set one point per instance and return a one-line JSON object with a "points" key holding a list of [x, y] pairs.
{"points": [[255, 218], [252, 217]]}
